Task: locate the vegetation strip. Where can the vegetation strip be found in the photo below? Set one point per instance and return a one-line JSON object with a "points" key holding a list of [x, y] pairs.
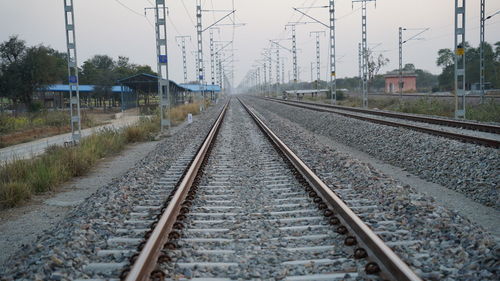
{"points": [[22, 178]]}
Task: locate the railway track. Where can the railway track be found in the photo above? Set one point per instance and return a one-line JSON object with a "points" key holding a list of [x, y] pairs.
{"points": [[412, 122], [268, 216]]}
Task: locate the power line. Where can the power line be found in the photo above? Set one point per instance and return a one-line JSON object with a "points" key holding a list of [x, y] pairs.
{"points": [[128, 8]]}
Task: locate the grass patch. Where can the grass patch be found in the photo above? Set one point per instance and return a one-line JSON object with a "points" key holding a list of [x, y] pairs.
{"points": [[20, 179], [487, 112], [29, 126], [179, 113]]}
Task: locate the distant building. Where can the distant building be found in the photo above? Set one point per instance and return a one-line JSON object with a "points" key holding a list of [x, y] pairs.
{"points": [[392, 82]]}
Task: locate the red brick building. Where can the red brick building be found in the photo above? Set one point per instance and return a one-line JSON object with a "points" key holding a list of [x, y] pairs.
{"points": [[392, 82]]}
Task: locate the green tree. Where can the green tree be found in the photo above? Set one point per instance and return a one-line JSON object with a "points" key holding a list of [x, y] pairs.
{"points": [[472, 58], [24, 70]]}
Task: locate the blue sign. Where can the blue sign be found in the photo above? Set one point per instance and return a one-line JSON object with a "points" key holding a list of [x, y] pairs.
{"points": [[162, 58], [73, 79], [201, 77]]}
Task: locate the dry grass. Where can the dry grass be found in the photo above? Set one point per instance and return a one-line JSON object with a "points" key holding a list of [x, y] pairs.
{"points": [[20, 179], [179, 113]]}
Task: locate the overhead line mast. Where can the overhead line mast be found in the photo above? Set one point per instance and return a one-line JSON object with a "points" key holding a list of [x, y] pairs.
{"points": [[200, 71], [74, 91], [364, 47], [162, 64], [184, 56], [459, 59]]}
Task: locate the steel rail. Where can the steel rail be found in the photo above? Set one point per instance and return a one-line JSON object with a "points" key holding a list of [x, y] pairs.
{"points": [[464, 138], [425, 119], [386, 259], [147, 259]]}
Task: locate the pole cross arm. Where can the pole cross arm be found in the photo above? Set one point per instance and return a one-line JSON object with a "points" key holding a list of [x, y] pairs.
{"points": [[221, 19], [278, 44], [224, 47], [327, 26]]}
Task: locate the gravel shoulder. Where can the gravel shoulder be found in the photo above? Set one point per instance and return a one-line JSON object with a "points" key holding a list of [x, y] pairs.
{"points": [[20, 226], [469, 169], [439, 243], [484, 216]]}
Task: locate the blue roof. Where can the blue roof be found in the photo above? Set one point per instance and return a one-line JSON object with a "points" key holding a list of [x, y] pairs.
{"points": [[198, 88], [82, 88]]}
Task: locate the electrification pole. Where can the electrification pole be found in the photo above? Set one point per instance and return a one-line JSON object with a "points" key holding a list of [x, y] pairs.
{"points": [[360, 66], [333, 66], [278, 78], [74, 91], [282, 70], [318, 58], [364, 42], [400, 82], [212, 56], [184, 55], [460, 59], [481, 50], [265, 78], [162, 64], [294, 53], [199, 35]]}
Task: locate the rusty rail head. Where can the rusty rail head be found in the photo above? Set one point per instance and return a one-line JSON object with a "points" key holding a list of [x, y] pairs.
{"points": [[147, 260], [391, 264]]}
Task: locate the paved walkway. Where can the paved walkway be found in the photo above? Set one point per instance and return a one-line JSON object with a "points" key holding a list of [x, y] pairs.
{"points": [[37, 147]]}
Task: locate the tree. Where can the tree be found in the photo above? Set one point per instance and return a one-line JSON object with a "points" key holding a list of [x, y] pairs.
{"points": [[24, 70], [445, 58], [492, 66], [374, 65]]}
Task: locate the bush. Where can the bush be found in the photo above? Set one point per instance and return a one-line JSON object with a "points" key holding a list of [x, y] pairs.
{"points": [[13, 193]]}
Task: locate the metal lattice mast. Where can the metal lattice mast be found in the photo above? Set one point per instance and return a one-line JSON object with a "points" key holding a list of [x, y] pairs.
{"points": [[217, 66], [400, 82], [278, 78], [199, 35], [74, 91], [318, 57], [333, 73], [212, 57], [481, 50], [364, 45], [162, 63], [360, 65], [265, 78], [270, 72], [459, 58], [282, 70], [184, 55], [294, 53]]}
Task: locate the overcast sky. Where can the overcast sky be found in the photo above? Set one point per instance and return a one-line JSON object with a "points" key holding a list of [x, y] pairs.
{"points": [[108, 27]]}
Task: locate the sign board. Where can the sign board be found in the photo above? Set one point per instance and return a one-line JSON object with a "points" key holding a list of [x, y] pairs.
{"points": [[190, 118], [162, 58], [73, 79]]}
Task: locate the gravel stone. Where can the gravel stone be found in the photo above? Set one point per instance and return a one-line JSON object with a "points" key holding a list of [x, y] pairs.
{"points": [[467, 168], [446, 245], [86, 229]]}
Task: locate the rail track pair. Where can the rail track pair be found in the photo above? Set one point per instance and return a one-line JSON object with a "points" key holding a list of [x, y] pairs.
{"points": [[396, 119], [181, 206]]}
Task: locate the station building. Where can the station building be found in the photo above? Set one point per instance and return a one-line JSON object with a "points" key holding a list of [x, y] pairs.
{"points": [[392, 82], [140, 90]]}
